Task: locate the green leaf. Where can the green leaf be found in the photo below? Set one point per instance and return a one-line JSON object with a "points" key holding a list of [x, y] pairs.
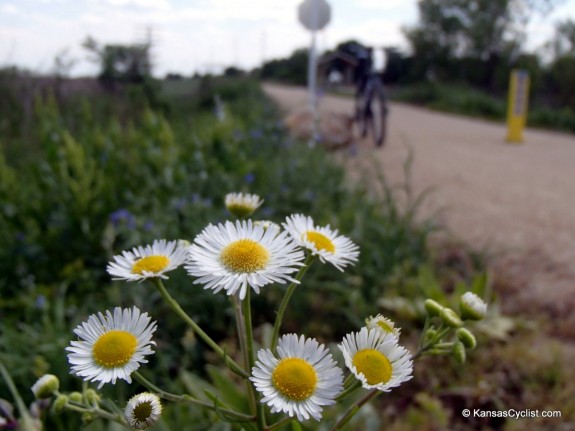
{"points": [[295, 426], [196, 386], [228, 389]]}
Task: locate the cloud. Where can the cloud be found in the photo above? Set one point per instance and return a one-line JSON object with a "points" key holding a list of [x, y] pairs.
{"points": [[381, 4], [9, 9], [145, 4]]}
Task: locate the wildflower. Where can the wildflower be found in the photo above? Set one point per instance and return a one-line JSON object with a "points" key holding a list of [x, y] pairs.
{"points": [[472, 307], [123, 216], [382, 324], [242, 204], [303, 378], [112, 346], [234, 256], [147, 262], [143, 410], [324, 242], [376, 359], [45, 386]]}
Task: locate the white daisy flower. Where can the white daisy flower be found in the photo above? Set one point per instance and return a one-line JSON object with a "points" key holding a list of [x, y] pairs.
{"points": [[242, 204], [143, 410], [301, 380], [376, 359], [324, 242], [111, 346], [233, 256], [148, 262], [383, 324], [472, 306]]}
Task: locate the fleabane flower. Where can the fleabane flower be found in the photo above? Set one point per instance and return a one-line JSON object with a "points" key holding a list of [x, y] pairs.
{"points": [[143, 410], [324, 242], [472, 307], [112, 345], [242, 204], [382, 324], [376, 359], [236, 256], [300, 380], [148, 262]]}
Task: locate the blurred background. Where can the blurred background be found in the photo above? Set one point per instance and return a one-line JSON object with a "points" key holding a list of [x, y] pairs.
{"points": [[125, 121]]}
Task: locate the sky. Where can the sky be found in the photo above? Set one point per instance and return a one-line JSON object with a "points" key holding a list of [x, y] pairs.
{"points": [[204, 35]]}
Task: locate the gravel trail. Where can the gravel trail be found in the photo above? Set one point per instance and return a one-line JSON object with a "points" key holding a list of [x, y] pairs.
{"points": [[518, 200]]}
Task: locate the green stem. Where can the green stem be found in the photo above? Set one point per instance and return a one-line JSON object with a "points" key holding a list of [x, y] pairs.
{"points": [[279, 423], [232, 365], [189, 399], [425, 347], [15, 394], [354, 409], [99, 412], [241, 329], [247, 312], [285, 300], [343, 394]]}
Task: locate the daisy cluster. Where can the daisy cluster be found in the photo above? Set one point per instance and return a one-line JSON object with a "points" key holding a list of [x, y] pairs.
{"points": [[298, 376]]}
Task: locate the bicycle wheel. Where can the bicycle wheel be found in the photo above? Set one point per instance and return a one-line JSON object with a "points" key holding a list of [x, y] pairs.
{"points": [[378, 120], [362, 112]]}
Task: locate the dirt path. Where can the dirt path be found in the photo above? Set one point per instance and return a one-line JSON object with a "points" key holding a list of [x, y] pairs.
{"points": [[515, 199]]}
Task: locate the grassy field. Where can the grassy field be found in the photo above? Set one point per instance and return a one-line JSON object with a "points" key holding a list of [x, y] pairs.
{"points": [[99, 174]]}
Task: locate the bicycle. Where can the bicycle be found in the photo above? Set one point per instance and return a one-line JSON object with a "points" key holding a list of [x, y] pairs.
{"points": [[370, 102]]}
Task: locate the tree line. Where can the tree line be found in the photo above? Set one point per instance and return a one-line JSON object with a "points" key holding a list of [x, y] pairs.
{"points": [[473, 42]]}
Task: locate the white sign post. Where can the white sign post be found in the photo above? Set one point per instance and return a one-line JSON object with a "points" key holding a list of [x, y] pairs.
{"points": [[314, 15]]}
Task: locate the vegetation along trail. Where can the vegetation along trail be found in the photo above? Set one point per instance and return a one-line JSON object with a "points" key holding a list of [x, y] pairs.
{"points": [[516, 200]]}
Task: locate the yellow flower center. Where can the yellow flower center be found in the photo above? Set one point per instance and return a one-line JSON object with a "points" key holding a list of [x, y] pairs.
{"points": [[153, 264], [295, 378], [374, 365], [245, 256], [142, 411], [385, 326], [114, 349], [320, 241]]}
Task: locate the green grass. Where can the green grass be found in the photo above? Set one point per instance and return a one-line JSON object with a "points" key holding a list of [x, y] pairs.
{"points": [[112, 173], [465, 100]]}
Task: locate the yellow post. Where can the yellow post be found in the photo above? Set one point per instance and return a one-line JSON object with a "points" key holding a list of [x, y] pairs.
{"points": [[517, 105]]}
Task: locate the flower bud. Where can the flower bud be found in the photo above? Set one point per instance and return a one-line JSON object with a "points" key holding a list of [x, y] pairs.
{"points": [[267, 224], [88, 417], [183, 243], [76, 397], [429, 334], [467, 338], [60, 403], [450, 318], [432, 307], [472, 307], [92, 397], [458, 352], [45, 386]]}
